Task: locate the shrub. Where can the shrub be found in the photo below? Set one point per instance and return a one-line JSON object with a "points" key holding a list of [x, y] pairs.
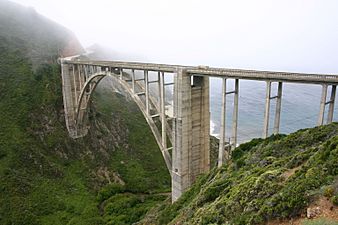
{"points": [[334, 200], [109, 191]]}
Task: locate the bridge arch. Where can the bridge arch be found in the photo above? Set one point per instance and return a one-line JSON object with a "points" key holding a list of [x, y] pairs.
{"points": [[79, 82], [85, 96]]}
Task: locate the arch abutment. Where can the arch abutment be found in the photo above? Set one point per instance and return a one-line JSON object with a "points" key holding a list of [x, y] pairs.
{"points": [[191, 127], [68, 102]]}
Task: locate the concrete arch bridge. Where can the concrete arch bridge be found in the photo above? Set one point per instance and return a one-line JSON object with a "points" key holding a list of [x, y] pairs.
{"points": [[183, 137]]}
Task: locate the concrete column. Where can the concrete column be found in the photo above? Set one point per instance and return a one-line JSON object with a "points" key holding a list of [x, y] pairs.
{"points": [[267, 110], [75, 85], [84, 74], [133, 80], [278, 108], [235, 116], [80, 68], [191, 127], [147, 91], [68, 101], [331, 104], [181, 134], [221, 157], [200, 162], [159, 88], [322, 105], [162, 111], [121, 74]]}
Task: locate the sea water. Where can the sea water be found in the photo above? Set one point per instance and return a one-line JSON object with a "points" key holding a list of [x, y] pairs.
{"points": [[300, 107]]}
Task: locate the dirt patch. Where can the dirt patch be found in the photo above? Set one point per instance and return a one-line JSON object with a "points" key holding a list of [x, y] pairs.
{"points": [[290, 172], [326, 210]]}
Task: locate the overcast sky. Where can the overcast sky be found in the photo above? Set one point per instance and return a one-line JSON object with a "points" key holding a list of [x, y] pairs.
{"points": [[289, 35]]}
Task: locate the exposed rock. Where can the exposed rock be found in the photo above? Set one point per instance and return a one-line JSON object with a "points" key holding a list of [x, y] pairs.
{"points": [[313, 212]]}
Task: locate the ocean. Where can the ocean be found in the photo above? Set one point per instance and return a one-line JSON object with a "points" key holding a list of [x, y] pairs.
{"points": [[300, 107]]}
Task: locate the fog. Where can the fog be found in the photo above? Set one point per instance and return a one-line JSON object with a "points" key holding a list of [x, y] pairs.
{"points": [[288, 35], [280, 35]]}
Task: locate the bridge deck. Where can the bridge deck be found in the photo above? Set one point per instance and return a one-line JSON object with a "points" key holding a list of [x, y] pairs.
{"points": [[220, 72]]}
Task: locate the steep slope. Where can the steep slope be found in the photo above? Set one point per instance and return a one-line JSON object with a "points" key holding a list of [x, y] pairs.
{"points": [[267, 180], [44, 39], [47, 177]]}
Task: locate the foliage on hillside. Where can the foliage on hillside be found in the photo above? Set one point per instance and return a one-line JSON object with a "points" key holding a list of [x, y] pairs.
{"points": [[44, 39], [267, 179], [48, 178]]}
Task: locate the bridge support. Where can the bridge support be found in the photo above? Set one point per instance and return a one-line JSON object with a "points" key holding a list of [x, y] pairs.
{"points": [[278, 98], [222, 155], [331, 104], [235, 116], [323, 103], [191, 129], [224, 152], [72, 83]]}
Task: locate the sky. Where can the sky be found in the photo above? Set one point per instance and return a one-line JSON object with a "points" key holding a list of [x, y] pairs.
{"points": [[282, 35]]}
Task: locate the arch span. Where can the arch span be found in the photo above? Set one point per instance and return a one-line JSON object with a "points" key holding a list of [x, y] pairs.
{"points": [[79, 82]]}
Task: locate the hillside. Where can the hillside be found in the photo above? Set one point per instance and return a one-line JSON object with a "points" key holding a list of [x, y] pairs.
{"points": [[47, 177], [43, 39], [271, 180]]}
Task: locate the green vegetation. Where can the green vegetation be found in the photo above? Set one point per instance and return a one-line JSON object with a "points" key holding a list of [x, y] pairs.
{"points": [[274, 178], [47, 177]]}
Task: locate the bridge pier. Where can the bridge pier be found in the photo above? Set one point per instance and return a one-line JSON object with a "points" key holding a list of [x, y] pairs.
{"points": [[278, 98], [222, 156], [331, 104], [222, 153], [323, 104], [233, 141], [278, 108], [191, 129]]}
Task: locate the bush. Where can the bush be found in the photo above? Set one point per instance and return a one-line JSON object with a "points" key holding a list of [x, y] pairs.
{"points": [[328, 192], [334, 200], [110, 190]]}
